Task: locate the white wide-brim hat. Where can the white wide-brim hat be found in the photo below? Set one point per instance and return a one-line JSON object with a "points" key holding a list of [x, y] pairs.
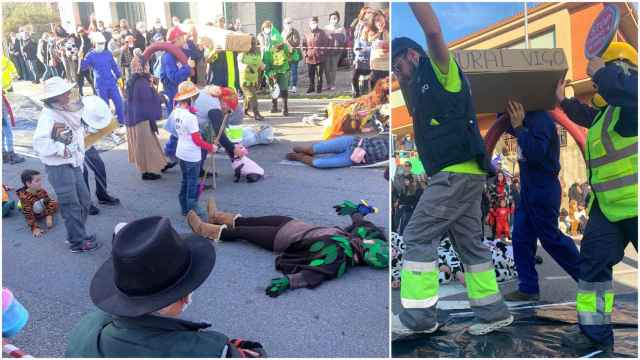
{"points": [[55, 86], [96, 112]]}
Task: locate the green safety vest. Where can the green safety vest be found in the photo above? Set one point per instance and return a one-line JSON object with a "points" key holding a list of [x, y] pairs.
{"points": [[612, 168]]}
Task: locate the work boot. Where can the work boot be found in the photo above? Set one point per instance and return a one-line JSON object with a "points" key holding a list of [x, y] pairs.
{"points": [[481, 328], [204, 229], [15, 158], [293, 156], [576, 340], [285, 103], [303, 149], [400, 331], [218, 217], [521, 296], [274, 106]]}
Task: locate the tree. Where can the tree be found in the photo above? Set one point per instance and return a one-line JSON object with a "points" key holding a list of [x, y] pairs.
{"points": [[39, 15]]}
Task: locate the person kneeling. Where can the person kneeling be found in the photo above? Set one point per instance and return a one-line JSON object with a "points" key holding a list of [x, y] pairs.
{"points": [[139, 307], [35, 202], [309, 254]]}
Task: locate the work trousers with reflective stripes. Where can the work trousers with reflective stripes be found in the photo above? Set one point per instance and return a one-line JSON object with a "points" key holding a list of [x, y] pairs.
{"points": [[602, 247], [451, 202]]}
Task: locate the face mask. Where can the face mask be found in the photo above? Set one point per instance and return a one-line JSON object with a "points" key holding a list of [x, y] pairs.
{"points": [[267, 31], [192, 109], [313, 26], [99, 47], [130, 45]]}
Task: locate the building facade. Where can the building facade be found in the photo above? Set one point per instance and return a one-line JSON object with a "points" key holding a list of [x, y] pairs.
{"points": [[251, 14], [550, 25]]}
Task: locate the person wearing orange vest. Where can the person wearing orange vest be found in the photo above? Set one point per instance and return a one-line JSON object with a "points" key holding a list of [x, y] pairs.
{"points": [[611, 154]]}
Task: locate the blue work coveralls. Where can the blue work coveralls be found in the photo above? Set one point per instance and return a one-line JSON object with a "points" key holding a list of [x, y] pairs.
{"points": [[106, 74], [537, 214]]}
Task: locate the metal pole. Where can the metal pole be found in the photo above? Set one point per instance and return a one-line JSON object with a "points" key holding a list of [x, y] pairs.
{"points": [[526, 26]]}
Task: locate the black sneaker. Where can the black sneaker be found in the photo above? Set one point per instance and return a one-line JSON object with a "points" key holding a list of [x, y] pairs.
{"points": [[93, 210], [86, 246], [109, 200], [151, 176], [169, 166], [576, 340]]}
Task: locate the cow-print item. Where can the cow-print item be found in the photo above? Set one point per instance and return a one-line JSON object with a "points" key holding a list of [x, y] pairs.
{"points": [[501, 256]]}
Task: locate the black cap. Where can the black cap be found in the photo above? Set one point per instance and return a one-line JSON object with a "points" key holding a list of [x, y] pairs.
{"points": [[401, 44]]}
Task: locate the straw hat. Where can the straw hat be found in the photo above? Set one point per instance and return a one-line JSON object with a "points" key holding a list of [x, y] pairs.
{"points": [[186, 89], [55, 86]]}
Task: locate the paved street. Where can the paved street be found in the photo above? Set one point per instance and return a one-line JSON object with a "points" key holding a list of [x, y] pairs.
{"points": [[346, 317]]}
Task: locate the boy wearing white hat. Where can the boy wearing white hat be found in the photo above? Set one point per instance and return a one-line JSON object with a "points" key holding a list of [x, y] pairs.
{"points": [[59, 142]]}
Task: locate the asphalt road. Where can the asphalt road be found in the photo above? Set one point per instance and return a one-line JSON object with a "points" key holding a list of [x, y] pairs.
{"points": [[342, 318]]}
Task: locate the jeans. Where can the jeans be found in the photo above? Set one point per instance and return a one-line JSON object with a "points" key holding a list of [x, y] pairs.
{"points": [[31, 66], [73, 199], [294, 73], [113, 93], [93, 161], [49, 71], [340, 147], [188, 196], [7, 134]]}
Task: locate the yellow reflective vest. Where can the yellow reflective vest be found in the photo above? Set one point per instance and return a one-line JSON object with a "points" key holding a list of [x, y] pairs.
{"points": [[612, 167]]}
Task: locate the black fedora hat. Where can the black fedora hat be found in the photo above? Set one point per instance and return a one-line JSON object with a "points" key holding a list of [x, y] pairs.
{"points": [[151, 267]]}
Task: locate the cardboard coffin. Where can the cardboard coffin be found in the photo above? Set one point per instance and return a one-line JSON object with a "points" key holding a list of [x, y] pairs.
{"points": [[528, 76], [226, 39]]}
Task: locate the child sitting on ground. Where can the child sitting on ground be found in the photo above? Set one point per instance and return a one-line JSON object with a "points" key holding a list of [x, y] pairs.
{"points": [[35, 202]]}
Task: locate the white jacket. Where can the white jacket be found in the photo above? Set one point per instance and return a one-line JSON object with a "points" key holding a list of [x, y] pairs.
{"points": [[52, 152]]}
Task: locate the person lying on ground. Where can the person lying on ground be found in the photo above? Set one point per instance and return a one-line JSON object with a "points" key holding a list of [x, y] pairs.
{"points": [[35, 202], [345, 151], [139, 308], [309, 254]]}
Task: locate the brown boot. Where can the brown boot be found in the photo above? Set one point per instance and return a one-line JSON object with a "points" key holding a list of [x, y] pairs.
{"points": [[307, 159], [304, 150], [204, 229], [218, 217]]}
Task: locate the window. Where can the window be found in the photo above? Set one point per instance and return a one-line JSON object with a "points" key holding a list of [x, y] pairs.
{"points": [[562, 135], [510, 144], [545, 40]]}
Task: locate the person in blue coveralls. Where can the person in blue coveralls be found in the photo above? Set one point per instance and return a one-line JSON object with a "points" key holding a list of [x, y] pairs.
{"points": [[537, 214], [106, 73]]}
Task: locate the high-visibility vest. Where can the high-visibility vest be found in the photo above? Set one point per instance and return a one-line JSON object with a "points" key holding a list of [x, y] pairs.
{"points": [[612, 168]]}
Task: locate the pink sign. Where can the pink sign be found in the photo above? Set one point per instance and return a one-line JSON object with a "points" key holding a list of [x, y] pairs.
{"points": [[602, 31]]}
